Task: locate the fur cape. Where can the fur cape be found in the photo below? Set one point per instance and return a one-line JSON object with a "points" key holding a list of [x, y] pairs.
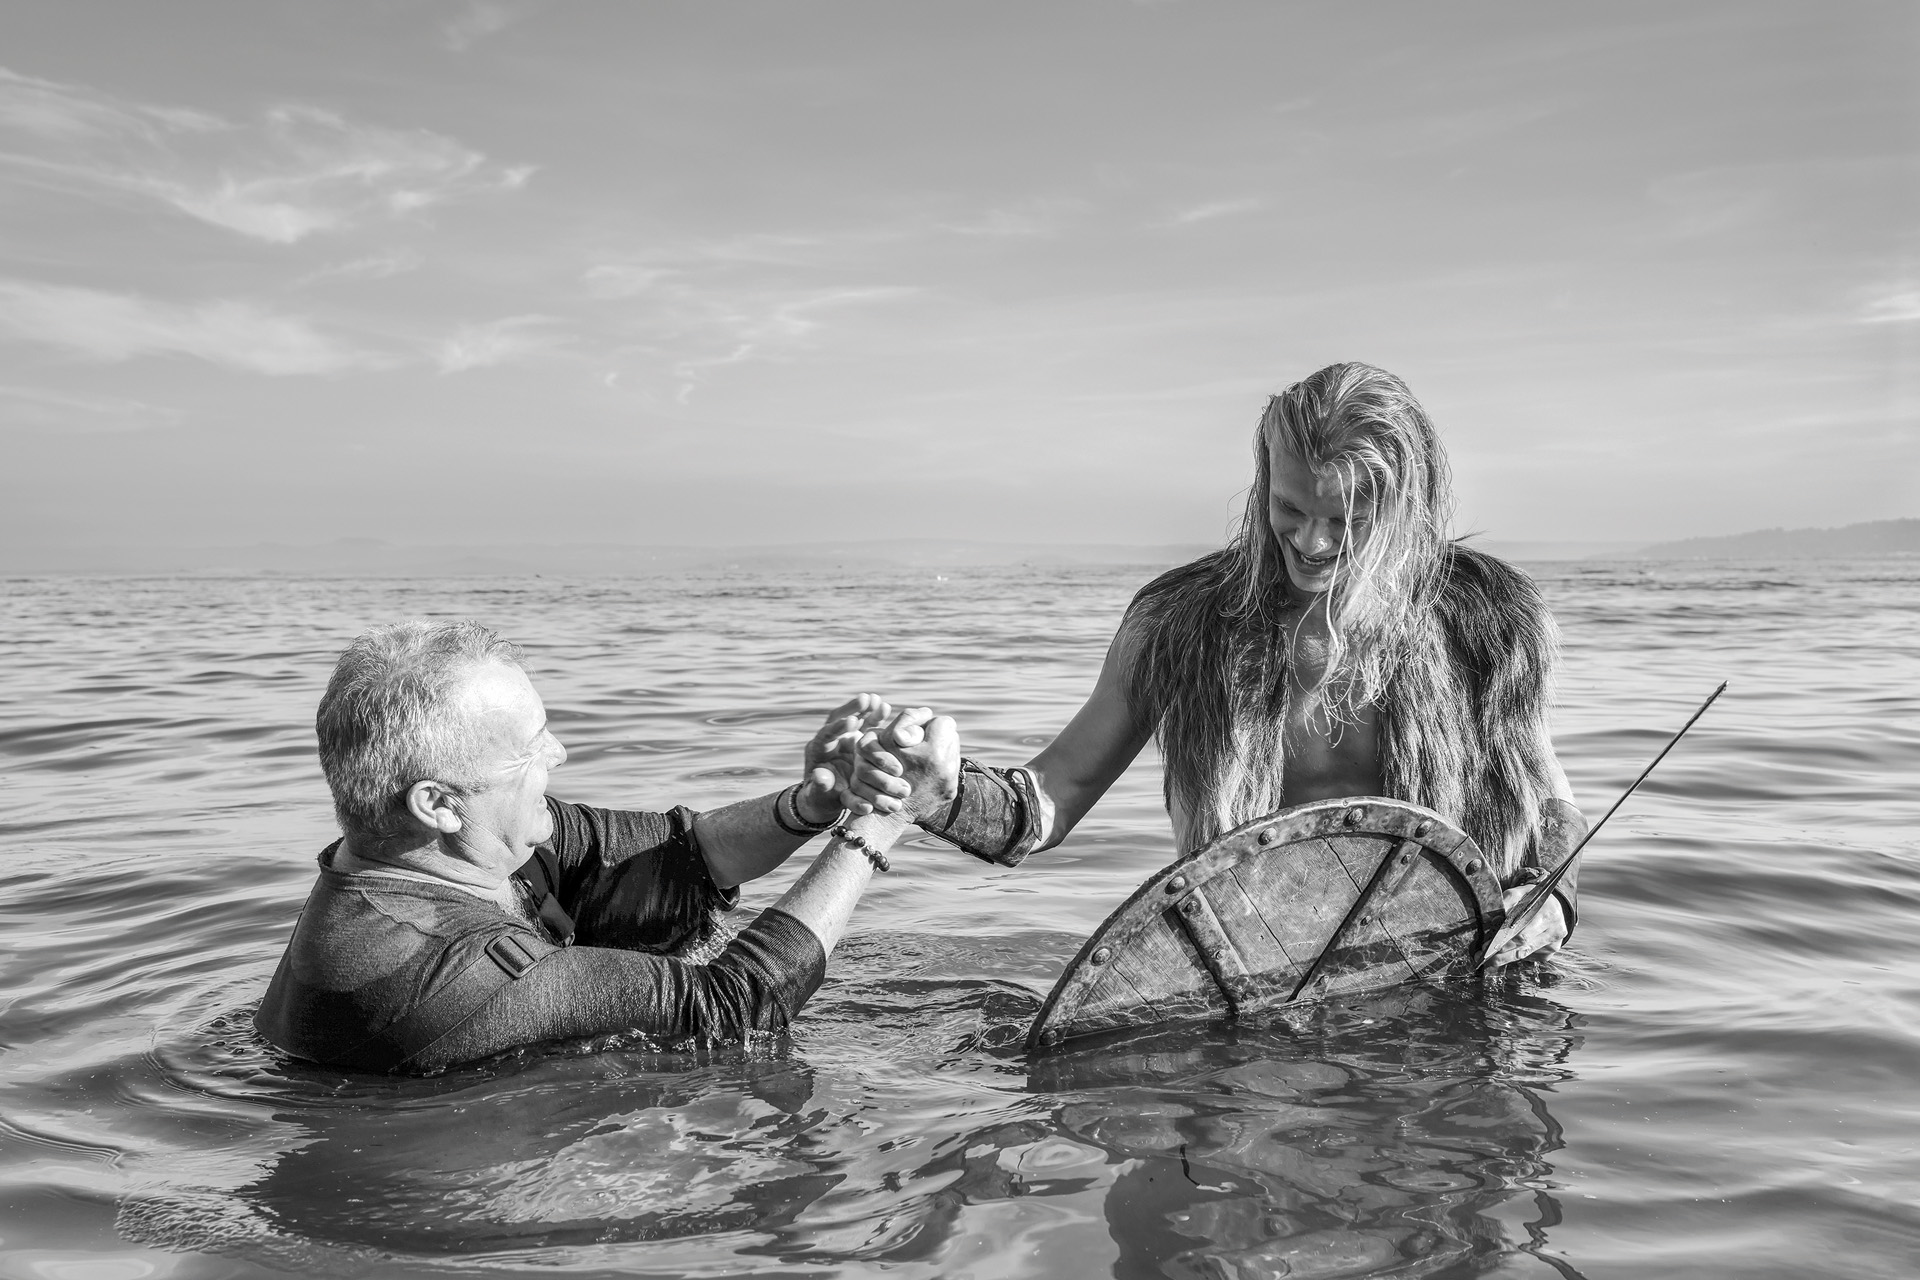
{"points": [[1463, 728]]}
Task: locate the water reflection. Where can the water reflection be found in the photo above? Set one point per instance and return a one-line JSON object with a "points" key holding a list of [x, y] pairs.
{"points": [[1406, 1134], [1398, 1135], [569, 1151]]}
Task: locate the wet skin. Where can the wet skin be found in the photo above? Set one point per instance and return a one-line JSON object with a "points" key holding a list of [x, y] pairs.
{"points": [[1318, 522], [1315, 524]]}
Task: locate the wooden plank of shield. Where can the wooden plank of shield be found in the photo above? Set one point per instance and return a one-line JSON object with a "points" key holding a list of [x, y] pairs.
{"points": [[1325, 899]]}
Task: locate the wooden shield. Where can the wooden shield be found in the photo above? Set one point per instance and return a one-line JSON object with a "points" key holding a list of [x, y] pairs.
{"points": [[1326, 899]]}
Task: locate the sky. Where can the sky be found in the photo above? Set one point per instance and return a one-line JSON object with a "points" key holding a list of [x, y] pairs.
{"points": [[723, 271]]}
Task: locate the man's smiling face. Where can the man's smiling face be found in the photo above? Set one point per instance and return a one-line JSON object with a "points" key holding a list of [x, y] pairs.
{"points": [[514, 750], [1309, 511]]}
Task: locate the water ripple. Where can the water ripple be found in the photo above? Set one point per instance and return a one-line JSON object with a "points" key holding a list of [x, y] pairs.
{"points": [[1718, 1082]]}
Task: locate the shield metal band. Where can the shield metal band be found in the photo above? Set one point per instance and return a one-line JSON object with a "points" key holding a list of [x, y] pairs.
{"points": [[1325, 899]]}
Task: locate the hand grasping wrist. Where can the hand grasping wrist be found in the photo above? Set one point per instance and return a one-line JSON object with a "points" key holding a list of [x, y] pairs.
{"points": [[815, 805]]}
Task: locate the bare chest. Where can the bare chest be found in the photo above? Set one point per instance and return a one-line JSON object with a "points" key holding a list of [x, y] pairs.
{"points": [[1327, 755]]}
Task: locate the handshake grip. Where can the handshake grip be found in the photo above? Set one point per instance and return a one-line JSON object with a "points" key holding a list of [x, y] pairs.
{"points": [[995, 814]]}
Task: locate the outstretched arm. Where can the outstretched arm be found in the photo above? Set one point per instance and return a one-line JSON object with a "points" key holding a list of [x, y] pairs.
{"points": [[745, 840], [1102, 739], [760, 980], [1002, 815]]}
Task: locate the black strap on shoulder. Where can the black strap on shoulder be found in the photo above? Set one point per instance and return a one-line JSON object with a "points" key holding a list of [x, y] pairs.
{"points": [[505, 957], [542, 875], [502, 960]]}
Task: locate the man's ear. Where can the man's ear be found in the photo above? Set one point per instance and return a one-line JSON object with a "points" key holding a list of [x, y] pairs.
{"points": [[434, 807]]}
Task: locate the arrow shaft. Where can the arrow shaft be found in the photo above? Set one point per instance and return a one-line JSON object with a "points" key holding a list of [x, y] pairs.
{"points": [[1532, 903]]}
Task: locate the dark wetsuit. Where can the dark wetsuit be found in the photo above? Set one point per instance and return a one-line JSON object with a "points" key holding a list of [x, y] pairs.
{"points": [[372, 953]]}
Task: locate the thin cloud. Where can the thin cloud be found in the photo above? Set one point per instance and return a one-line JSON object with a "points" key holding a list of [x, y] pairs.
{"points": [[94, 325], [295, 172], [1709, 203], [692, 320], [480, 346], [1030, 218], [1216, 209], [378, 266], [483, 18], [40, 409], [1895, 306], [728, 331]]}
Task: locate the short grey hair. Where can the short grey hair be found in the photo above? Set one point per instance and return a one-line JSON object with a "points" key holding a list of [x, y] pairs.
{"points": [[392, 716]]}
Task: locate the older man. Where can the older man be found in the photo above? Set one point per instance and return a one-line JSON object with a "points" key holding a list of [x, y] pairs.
{"points": [[464, 911]]}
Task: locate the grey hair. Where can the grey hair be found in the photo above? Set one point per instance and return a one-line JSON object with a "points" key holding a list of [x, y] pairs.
{"points": [[392, 716]]}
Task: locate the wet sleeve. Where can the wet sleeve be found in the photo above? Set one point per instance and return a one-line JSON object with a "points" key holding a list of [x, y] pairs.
{"points": [[635, 880], [1562, 828], [757, 984]]}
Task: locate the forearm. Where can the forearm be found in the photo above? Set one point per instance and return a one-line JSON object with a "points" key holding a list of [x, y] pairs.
{"points": [[1562, 827], [1560, 831], [745, 840], [1065, 796], [823, 898], [757, 984]]}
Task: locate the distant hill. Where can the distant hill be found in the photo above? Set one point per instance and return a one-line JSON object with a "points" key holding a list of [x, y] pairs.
{"points": [[1874, 538], [1509, 549]]}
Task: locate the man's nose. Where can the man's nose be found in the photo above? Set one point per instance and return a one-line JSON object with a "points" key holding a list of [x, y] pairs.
{"points": [[558, 750], [1315, 538]]}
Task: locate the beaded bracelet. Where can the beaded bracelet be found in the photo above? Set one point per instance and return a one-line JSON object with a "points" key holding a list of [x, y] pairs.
{"points": [[873, 855], [790, 799]]}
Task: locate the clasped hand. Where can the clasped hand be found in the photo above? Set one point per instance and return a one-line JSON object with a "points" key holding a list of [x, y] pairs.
{"points": [[866, 758]]}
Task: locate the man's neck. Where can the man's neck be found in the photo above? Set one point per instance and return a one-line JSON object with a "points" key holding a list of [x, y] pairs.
{"points": [[428, 860]]}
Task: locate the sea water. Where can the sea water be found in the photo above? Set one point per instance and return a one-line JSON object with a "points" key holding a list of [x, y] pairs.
{"points": [[1724, 1081]]}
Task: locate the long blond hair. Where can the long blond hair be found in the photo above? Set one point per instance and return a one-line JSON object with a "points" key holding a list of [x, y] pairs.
{"points": [[1363, 425], [1208, 644]]}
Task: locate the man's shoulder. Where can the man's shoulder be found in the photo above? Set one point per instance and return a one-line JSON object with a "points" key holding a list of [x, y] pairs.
{"points": [[359, 927], [1466, 568], [365, 952], [1182, 600], [581, 828], [1206, 574], [1481, 589], [1493, 614]]}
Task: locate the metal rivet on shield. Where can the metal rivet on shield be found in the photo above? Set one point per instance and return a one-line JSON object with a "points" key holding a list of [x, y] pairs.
{"points": [[1101, 955], [1426, 825], [1406, 857], [1354, 816], [1367, 919], [1176, 884], [1050, 1037], [1190, 905], [1473, 868], [1269, 835]]}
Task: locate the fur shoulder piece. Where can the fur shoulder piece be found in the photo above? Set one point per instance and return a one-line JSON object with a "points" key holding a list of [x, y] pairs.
{"points": [[1176, 633], [1494, 686], [1207, 576], [1498, 629], [1204, 678]]}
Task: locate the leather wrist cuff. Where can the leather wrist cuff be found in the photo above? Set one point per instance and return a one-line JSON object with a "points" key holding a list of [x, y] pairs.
{"points": [[1562, 828], [995, 814]]}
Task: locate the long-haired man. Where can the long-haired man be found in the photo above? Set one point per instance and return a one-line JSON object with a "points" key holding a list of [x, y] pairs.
{"points": [[1341, 644]]}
